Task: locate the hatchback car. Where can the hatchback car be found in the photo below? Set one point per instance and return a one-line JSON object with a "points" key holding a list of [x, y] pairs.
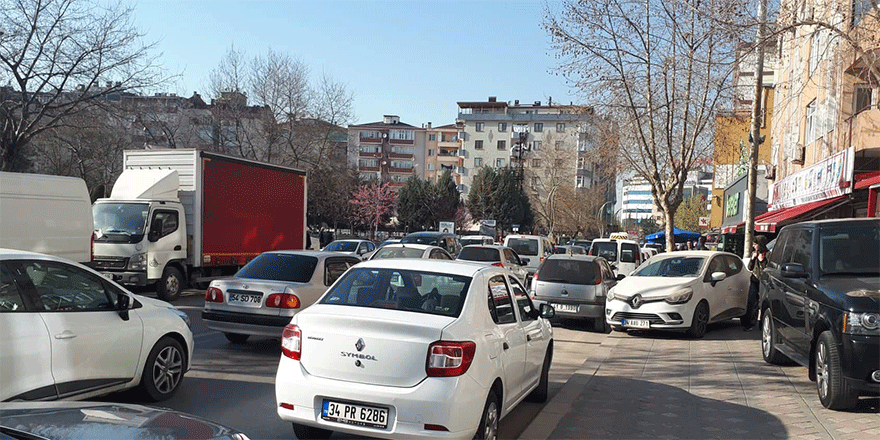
{"points": [[445, 240], [501, 256], [534, 247], [414, 349], [576, 286], [821, 306], [466, 240], [69, 333], [680, 290], [401, 250], [358, 248], [262, 297]]}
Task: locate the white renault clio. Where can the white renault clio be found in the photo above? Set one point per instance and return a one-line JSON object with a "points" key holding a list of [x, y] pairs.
{"points": [[414, 349]]}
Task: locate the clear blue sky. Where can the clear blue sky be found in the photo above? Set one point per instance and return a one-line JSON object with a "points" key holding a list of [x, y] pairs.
{"points": [[413, 58]]}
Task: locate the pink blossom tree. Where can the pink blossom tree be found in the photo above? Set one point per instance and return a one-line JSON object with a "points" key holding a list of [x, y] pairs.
{"points": [[373, 203]]}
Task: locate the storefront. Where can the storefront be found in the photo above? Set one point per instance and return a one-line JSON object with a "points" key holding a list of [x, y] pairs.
{"points": [[734, 206]]}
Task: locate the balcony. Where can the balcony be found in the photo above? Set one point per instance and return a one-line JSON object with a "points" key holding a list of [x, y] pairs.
{"points": [[401, 141], [370, 140], [373, 169], [400, 155], [369, 154], [400, 170]]}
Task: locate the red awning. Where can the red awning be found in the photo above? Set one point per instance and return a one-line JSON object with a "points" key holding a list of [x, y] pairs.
{"points": [[868, 182], [768, 221]]}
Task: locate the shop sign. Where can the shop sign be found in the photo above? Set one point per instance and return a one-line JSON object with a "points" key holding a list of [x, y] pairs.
{"points": [[832, 177], [731, 205]]}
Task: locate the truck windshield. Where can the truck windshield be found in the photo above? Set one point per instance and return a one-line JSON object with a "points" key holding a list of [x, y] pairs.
{"points": [[114, 220]]}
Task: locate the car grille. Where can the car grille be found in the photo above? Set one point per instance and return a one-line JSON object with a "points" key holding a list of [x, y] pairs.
{"points": [[652, 318], [110, 262]]}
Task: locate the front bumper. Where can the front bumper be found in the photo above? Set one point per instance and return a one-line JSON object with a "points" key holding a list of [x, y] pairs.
{"points": [[860, 356], [660, 314], [453, 402], [128, 278], [245, 323]]}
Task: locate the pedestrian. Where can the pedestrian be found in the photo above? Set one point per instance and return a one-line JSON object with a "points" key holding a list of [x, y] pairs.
{"points": [[701, 244], [757, 264], [690, 245], [308, 239]]}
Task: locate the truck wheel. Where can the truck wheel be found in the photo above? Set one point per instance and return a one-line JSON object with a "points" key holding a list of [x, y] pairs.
{"points": [[169, 286]]}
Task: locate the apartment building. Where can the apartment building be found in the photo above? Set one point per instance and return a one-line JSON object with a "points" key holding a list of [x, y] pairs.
{"points": [[388, 150], [443, 152]]}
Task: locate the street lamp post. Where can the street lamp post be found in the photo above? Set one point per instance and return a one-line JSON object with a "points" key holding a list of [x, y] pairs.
{"points": [[599, 216]]}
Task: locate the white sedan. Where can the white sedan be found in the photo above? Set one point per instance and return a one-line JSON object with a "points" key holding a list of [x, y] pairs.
{"points": [[414, 349], [410, 250], [680, 290], [68, 333]]}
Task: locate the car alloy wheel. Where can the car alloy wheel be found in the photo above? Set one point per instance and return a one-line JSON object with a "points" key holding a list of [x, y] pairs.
{"points": [[700, 320], [768, 340], [488, 429], [834, 391], [164, 369]]}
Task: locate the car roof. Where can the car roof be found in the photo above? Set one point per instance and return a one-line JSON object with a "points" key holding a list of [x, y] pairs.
{"points": [[11, 254], [614, 240], [573, 257], [525, 236], [310, 253], [453, 267], [482, 237], [410, 245], [429, 234], [489, 246]]}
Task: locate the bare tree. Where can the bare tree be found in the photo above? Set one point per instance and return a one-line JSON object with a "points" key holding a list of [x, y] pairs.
{"points": [[659, 68], [62, 57]]}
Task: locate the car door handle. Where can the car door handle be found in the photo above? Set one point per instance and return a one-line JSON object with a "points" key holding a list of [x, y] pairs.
{"points": [[529, 338], [66, 335], [177, 248], [505, 346]]}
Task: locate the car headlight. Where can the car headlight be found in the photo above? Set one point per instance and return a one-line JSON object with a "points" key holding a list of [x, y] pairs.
{"points": [[861, 323], [137, 262], [182, 316], [680, 296], [611, 295]]}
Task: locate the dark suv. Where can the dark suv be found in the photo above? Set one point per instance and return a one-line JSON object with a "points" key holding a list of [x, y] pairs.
{"points": [[820, 306], [447, 241]]}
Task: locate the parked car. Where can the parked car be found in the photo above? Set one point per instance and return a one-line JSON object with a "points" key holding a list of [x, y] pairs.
{"points": [[623, 255], [69, 333], [64, 420], [496, 255], [262, 297], [680, 290], [355, 247], [389, 241], [582, 243], [445, 240], [570, 249], [576, 286], [534, 247], [821, 306], [401, 250], [466, 240], [414, 349]]}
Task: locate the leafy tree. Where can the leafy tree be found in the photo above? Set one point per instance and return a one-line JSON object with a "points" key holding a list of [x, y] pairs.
{"points": [[448, 197], [688, 215], [373, 204], [498, 195], [481, 198]]}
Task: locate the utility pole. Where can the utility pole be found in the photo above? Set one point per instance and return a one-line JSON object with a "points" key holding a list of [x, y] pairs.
{"points": [[755, 132]]}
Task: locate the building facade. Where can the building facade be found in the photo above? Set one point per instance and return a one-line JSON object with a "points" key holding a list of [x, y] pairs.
{"points": [[388, 150], [443, 148]]}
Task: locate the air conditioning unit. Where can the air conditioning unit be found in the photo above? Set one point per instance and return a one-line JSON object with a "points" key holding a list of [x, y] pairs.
{"points": [[798, 154]]}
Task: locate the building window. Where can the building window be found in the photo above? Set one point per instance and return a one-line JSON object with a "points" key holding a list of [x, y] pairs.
{"points": [[582, 161], [370, 135], [502, 145], [536, 163], [478, 145], [432, 137], [580, 182], [558, 145], [500, 162], [539, 127], [478, 162], [403, 150], [814, 51], [502, 127], [560, 127], [404, 135], [479, 126], [430, 167], [863, 99], [536, 145], [368, 163], [536, 181], [810, 134], [401, 165], [430, 152]]}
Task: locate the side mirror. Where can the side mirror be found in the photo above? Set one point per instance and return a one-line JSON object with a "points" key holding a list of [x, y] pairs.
{"points": [[155, 230], [716, 277], [524, 261], [619, 276], [123, 304], [547, 311], [793, 270], [613, 266]]}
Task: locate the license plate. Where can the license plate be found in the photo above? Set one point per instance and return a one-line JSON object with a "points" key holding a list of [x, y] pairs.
{"points": [[244, 299], [109, 276], [636, 323], [567, 308], [351, 414]]}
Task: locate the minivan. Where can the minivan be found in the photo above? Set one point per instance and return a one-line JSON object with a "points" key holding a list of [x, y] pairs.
{"points": [[46, 214], [534, 247], [623, 255]]}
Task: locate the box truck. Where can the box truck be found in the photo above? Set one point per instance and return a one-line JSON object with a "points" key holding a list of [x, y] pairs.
{"points": [[184, 216], [47, 214]]}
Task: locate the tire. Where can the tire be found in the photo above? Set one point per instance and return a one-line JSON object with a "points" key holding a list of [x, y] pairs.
{"points": [[618, 328], [164, 369], [771, 354], [699, 321], [834, 390], [539, 394], [488, 429], [236, 338], [169, 286], [304, 432], [599, 325]]}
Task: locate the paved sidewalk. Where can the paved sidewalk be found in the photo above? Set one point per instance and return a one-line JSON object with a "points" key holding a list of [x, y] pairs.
{"points": [[665, 386]]}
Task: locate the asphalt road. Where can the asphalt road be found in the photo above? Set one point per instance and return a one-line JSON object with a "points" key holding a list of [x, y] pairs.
{"points": [[234, 384]]}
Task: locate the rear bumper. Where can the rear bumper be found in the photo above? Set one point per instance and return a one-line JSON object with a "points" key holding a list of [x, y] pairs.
{"points": [[245, 323], [859, 358], [582, 309]]}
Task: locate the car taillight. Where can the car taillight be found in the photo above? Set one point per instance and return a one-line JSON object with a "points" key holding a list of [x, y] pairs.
{"points": [[498, 264], [92, 248], [291, 342], [449, 359], [282, 301], [214, 295]]}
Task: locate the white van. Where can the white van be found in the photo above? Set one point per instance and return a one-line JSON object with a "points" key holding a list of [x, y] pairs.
{"points": [[534, 247], [46, 214], [624, 255]]}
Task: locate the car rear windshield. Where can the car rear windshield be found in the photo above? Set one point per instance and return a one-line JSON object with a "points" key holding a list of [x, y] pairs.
{"points": [[398, 289], [672, 267], [342, 246], [605, 249], [523, 246], [467, 241], [280, 267], [398, 252], [421, 239], [569, 271], [479, 254], [850, 250]]}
